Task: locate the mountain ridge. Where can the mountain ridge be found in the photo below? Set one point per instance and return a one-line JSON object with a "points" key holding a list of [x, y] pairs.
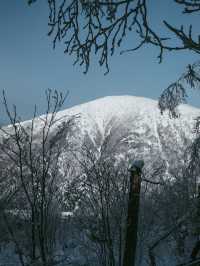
{"points": [[152, 136], [124, 107]]}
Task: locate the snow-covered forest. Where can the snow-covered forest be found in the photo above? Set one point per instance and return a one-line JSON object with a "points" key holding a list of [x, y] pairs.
{"points": [[65, 183]]}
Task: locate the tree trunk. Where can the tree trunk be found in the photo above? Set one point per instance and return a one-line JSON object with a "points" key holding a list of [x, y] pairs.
{"points": [[132, 219]]}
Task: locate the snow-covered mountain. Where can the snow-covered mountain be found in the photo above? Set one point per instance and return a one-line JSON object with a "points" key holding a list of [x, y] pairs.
{"points": [[153, 136], [136, 129], [150, 135], [100, 112], [130, 108]]}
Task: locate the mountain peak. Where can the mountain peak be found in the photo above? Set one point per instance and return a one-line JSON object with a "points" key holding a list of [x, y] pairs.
{"points": [[128, 106]]}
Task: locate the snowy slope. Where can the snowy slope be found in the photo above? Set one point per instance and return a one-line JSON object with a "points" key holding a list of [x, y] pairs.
{"points": [[153, 136], [159, 134], [102, 110]]}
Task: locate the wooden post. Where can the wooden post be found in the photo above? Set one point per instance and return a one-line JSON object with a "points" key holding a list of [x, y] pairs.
{"points": [[133, 211]]}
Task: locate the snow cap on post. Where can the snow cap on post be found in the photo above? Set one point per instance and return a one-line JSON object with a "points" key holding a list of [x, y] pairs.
{"points": [[136, 166]]}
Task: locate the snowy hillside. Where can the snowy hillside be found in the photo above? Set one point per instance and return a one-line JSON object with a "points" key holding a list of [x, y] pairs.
{"points": [[102, 110], [153, 136], [115, 130], [127, 108]]}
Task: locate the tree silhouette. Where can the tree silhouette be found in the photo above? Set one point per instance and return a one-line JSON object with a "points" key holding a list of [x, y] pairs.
{"points": [[99, 27]]}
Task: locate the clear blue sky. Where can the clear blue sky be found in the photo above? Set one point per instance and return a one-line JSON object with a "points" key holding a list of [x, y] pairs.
{"points": [[29, 65]]}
